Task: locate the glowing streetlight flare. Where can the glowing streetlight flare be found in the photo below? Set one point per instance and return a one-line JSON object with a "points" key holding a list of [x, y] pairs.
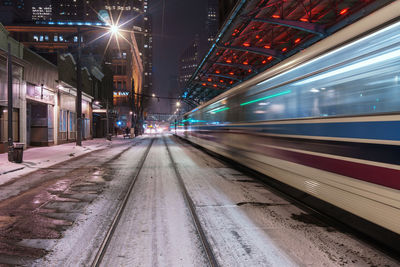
{"points": [[114, 29]]}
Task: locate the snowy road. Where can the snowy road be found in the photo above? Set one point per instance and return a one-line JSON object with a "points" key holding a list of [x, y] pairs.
{"points": [[156, 228], [244, 222]]}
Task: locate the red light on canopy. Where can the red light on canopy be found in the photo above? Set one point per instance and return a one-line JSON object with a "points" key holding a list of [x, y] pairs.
{"points": [[297, 40], [276, 16], [304, 19], [284, 49], [229, 61], [264, 61], [209, 79], [269, 58], [267, 46], [231, 73], [231, 82], [217, 72], [249, 71], [221, 81], [343, 11], [246, 63], [246, 44], [214, 85], [204, 84]]}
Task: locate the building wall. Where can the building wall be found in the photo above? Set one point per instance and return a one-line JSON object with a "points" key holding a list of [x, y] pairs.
{"points": [[41, 92], [19, 120], [188, 62]]}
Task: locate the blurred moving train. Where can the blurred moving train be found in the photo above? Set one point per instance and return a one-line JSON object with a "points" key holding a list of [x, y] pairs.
{"points": [[325, 121]]}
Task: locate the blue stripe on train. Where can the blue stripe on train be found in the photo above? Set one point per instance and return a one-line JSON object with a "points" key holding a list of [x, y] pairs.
{"points": [[382, 130]]}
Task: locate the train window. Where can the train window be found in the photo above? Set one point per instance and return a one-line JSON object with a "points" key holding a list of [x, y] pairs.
{"points": [[358, 79]]}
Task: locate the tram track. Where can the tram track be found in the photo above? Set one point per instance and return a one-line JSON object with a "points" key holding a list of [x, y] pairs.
{"points": [[101, 252], [104, 245], [201, 233]]}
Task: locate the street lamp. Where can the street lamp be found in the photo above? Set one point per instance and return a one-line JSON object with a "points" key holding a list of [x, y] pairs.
{"points": [[153, 95], [178, 104], [113, 29]]}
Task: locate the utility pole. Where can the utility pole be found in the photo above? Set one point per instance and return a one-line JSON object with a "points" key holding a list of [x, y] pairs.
{"points": [[79, 93], [107, 123], [10, 105]]}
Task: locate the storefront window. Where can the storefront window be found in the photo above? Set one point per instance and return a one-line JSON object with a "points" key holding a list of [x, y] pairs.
{"points": [[71, 122], [63, 121]]}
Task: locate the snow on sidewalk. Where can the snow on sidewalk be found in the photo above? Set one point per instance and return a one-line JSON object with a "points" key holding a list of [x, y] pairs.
{"points": [[41, 157]]}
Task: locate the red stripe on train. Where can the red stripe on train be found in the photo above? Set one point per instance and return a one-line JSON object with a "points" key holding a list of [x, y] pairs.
{"points": [[365, 172], [369, 173]]}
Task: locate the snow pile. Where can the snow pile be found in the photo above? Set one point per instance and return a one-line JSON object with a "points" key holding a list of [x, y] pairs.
{"points": [[42, 157]]}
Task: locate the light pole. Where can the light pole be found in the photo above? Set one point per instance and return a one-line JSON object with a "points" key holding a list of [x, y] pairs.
{"points": [[10, 105], [79, 92], [113, 29]]}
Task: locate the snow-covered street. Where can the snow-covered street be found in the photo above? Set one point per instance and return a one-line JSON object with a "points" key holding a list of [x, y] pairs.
{"points": [[60, 215]]}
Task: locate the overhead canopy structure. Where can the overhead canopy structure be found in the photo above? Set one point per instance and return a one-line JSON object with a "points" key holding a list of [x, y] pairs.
{"points": [[259, 34]]}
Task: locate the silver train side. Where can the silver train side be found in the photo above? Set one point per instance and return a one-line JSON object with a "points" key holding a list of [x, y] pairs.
{"points": [[325, 121]]}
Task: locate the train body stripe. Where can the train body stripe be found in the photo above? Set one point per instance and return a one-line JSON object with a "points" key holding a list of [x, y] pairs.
{"points": [[369, 173], [377, 130], [361, 171]]}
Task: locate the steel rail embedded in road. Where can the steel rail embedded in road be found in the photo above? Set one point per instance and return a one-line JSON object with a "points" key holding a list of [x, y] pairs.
{"points": [[206, 245], [103, 248]]}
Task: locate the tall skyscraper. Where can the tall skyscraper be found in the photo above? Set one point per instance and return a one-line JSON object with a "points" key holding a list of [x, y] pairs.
{"points": [[133, 16], [212, 20], [14, 10], [188, 62], [65, 10], [42, 10]]}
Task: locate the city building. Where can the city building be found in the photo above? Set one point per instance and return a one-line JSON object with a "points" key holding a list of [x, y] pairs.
{"points": [[54, 30], [15, 10], [18, 87], [42, 10], [212, 21], [130, 57], [44, 102], [67, 10], [188, 62]]}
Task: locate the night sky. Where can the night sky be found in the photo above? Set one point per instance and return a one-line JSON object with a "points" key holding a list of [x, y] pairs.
{"points": [[183, 19]]}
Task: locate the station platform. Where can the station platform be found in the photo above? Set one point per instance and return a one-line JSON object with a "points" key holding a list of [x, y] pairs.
{"points": [[158, 201]]}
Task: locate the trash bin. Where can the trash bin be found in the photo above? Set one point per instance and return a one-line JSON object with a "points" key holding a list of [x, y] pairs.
{"points": [[18, 152], [109, 137]]}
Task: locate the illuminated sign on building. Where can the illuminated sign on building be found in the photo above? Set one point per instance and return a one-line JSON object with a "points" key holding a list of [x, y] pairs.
{"points": [[119, 93]]}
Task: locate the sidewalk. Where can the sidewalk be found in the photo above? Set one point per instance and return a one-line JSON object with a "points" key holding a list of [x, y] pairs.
{"points": [[41, 157]]}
